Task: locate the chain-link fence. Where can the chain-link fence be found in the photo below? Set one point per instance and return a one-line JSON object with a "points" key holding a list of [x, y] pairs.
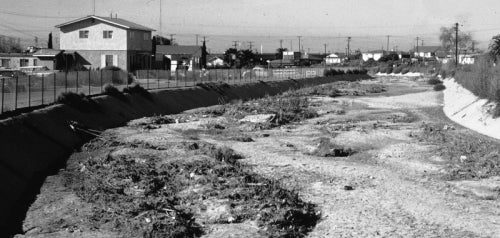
{"points": [[36, 90]]}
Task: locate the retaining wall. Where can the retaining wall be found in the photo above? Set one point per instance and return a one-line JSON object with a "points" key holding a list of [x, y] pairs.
{"points": [[36, 144]]}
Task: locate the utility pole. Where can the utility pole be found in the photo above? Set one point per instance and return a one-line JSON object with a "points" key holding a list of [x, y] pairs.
{"points": [[348, 47], [325, 49], [160, 19], [93, 8], [418, 38], [299, 41], [281, 51], [235, 43], [250, 44], [172, 39], [456, 44], [388, 36]]}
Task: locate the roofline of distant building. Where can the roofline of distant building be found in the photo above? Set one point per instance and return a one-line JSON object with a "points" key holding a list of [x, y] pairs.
{"points": [[101, 19]]}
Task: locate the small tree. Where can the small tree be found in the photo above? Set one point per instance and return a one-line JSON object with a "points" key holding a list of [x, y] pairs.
{"points": [[279, 52], [230, 56], [495, 47], [50, 41], [447, 37]]}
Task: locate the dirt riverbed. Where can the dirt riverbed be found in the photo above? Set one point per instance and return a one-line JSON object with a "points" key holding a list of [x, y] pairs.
{"points": [[358, 162]]}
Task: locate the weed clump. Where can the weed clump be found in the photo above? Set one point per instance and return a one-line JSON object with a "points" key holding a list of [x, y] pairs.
{"points": [[149, 196], [434, 81], [137, 89], [112, 91], [469, 158], [77, 101], [225, 154], [439, 87], [326, 148]]}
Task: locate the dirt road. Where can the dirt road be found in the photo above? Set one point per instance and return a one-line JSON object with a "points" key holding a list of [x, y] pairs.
{"points": [[390, 182]]}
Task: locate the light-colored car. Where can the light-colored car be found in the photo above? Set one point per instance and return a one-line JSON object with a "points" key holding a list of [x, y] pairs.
{"points": [[36, 70]]}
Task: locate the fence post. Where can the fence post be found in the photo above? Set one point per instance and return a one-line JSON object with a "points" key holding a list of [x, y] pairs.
{"points": [[17, 82], [43, 83], [126, 79], [176, 78], [169, 75], [194, 77], [157, 79], [29, 90], [76, 82], [55, 89], [185, 77], [66, 82], [147, 78], [89, 82], [100, 71], [3, 93]]}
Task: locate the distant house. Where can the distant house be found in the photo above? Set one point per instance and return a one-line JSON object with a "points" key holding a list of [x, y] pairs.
{"points": [[16, 60], [50, 58], [426, 51], [265, 58], [335, 58], [215, 61], [176, 57], [374, 54], [97, 42]]}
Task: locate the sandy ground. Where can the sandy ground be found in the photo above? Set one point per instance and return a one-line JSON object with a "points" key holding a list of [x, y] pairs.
{"points": [[392, 186]]}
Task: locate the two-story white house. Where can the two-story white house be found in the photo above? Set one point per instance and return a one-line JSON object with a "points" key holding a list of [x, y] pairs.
{"points": [[97, 42]]}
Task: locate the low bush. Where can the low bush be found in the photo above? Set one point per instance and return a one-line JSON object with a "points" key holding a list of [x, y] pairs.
{"points": [[77, 101], [110, 90], [434, 81], [333, 72], [137, 89], [398, 69], [388, 70], [439, 87], [405, 71]]}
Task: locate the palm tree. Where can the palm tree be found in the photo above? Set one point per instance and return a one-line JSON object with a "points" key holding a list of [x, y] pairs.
{"points": [[495, 47]]}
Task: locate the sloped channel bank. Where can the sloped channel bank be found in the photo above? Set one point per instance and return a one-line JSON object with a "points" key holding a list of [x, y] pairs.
{"points": [[36, 144]]}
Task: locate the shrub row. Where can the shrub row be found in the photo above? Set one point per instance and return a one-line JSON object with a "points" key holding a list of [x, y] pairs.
{"points": [[333, 72]]}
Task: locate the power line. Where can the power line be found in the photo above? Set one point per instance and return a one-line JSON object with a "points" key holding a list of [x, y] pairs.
{"points": [[37, 16]]}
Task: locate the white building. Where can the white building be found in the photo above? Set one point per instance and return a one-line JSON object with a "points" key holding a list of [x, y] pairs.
{"points": [[334, 59], [374, 54]]}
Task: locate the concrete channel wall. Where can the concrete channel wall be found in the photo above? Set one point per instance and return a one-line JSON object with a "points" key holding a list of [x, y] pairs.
{"points": [[36, 144]]}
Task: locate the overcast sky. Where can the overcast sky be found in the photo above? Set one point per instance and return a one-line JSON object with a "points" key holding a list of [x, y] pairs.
{"points": [[265, 22]]}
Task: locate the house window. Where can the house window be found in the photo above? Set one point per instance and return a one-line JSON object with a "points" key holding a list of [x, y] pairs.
{"points": [[5, 63], [109, 60], [146, 36], [24, 62], [35, 62], [107, 34], [131, 34], [84, 34]]}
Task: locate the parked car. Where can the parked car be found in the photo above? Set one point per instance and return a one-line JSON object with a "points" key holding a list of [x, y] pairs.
{"points": [[36, 70]]}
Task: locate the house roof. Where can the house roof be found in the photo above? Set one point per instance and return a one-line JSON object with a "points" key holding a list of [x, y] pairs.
{"points": [[179, 50], [213, 58], [336, 55], [16, 55], [44, 52], [374, 52], [427, 48], [113, 21]]}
